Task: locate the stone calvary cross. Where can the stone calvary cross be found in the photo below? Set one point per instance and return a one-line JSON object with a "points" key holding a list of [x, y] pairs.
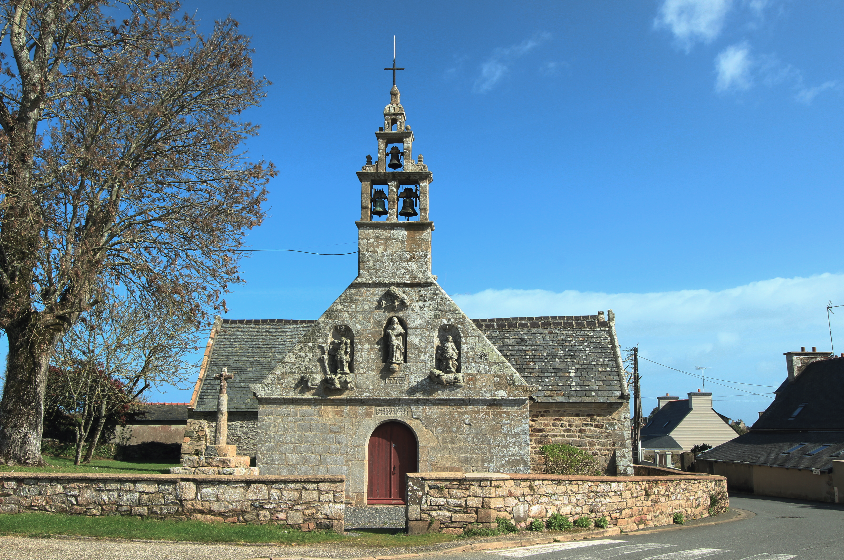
{"points": [[222, 430]]}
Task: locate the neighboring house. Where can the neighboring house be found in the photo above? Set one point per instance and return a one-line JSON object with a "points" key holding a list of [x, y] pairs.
{"points": [[795, 448], [155, 431], [394, 378], [680, 425]]}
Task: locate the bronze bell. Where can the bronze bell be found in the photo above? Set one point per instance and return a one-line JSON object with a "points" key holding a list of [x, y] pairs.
{"points": [[379, 203], [395, 161], [408, 205]]}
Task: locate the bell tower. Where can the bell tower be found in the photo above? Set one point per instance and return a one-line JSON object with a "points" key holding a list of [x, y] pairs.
{"points": [[394, 231]]}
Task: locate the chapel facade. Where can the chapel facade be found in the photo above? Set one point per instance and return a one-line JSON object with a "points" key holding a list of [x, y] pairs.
{"points": [[395, 378]]}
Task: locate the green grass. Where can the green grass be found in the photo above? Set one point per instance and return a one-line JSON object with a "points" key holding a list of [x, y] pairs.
{"points": [[51, 524], [64, 465]]}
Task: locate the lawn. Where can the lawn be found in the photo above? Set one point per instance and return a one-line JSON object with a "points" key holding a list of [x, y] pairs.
{"points": [[65, 465], [50, 524]]}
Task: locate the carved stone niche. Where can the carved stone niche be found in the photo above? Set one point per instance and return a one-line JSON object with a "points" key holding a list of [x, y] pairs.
{"points": [[393, 300], [340, 358], [448, 355], [394, 343]]}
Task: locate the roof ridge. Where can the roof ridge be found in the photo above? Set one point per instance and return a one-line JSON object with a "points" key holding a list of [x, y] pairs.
{"points": [[269, 321]]}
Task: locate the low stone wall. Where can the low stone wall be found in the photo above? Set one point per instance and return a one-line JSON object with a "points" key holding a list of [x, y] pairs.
{"points": [[315, 502], [449, 502]]}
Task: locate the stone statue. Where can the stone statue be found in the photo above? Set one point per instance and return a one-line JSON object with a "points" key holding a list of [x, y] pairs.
{"points": [[395, 342], [342, 350], [447, 356]]}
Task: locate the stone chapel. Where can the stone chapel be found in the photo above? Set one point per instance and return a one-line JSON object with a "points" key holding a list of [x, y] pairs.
{"points": [[395, 378]]}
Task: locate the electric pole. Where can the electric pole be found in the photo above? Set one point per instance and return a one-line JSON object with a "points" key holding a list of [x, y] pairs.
{"points": [[637, 410]]}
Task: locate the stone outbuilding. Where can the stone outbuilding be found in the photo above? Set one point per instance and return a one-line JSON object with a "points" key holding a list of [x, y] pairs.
{"points": [[394, 378]]}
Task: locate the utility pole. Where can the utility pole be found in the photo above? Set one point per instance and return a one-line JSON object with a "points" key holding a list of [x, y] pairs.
{"points": [[637, 410]]}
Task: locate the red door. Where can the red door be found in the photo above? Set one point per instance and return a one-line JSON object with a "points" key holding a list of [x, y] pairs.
{"points": [[392, 454]]}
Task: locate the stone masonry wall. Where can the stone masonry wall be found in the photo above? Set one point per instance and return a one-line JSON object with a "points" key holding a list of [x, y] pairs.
{"points": [[449, 502], [305, 502], [242, 430], [598, 428]]}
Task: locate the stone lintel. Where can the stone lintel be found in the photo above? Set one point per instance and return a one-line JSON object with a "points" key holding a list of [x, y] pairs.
{"points": [[396, 225], [394, 136], [400, 177]]}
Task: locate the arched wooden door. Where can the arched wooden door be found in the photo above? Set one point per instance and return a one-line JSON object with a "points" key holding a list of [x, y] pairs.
{"points": [[392, 454]]}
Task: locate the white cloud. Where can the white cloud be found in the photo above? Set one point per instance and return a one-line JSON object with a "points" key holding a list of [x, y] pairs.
{"points": [[497, 66], [741, 333], [693, 20], [807, 94], [732, 67]]}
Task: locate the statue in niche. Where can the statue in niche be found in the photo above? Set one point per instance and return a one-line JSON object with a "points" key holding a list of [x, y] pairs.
{"points": [[341, 351], [447, 371], [394, 339], [447, 356]]}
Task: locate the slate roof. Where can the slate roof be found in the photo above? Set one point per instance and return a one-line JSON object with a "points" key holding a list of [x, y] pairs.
{"points": [[768, 449], [250, 348], [820, 387], [571, 358], [661, 443], [666, 419], [161, 413]]}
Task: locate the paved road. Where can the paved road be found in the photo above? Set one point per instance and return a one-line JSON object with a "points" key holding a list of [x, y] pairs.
{"points": [[780, 530]]}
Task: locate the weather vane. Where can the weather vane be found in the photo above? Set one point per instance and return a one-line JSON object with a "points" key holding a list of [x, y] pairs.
{"points": [[394, 61]]}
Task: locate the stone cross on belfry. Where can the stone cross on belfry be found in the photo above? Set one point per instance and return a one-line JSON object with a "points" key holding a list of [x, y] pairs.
{"points": [[222, 430]]}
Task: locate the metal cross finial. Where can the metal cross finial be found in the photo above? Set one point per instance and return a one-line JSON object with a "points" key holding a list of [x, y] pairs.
{"points": [[394, 61], [223, 377]]}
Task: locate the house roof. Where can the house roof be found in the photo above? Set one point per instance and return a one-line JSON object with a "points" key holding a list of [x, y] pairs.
{"points": [[161, 413], [661, 443], [666, 419], [570, 358], [820, 388], [780, 449], [250, 349]]}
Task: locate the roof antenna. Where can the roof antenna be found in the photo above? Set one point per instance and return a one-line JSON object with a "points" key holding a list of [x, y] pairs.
{"points": [[703, 368], [829, 310]]}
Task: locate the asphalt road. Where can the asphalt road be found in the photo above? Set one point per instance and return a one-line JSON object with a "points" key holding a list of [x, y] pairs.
{"points": [[780, 530]]}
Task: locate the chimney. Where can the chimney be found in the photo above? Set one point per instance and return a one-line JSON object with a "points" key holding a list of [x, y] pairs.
{"points": [[700, 401], [662, 401], [761, 412], [796, 362]]}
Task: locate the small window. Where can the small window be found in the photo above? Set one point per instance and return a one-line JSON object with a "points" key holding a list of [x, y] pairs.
{"points": [[837, 453], [798, 411], [819, 449], [793, 449]]}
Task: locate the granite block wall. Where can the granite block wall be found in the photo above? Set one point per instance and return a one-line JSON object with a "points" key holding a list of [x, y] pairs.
{"points": [[305, 502], [331, 438], [599, 428], [450, 502]]}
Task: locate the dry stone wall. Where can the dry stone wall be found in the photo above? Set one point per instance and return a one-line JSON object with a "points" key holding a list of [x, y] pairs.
{"points": [[599, 428], [449, 502], [312, 502]]}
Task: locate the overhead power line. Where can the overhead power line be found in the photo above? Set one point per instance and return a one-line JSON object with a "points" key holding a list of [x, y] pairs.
{"points": [[713, 379]]}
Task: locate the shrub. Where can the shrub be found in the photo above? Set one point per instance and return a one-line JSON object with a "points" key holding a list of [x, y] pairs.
{"points": [[716, 504], [558, 522], [602, 522], [566, 459], [475, 530], [536, 525], [700, 448], [583, 522], [679, 519], [506, 526]]}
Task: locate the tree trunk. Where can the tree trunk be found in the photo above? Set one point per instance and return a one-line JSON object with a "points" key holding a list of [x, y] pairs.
{"points": [[22, 407], [94, 440]]}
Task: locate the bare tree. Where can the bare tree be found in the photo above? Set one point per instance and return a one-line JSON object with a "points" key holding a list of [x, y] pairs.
{"points": [[120, 165], [112, 355]]}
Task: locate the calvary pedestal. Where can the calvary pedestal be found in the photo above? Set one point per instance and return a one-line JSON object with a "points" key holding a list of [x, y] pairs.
{"points": [[220, 458]]}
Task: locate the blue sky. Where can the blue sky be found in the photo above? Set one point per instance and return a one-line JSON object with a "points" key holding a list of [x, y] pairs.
{"points": [[678, 161]]}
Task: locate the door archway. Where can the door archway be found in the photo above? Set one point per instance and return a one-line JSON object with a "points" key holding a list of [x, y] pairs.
{"points": [[392, 454]]}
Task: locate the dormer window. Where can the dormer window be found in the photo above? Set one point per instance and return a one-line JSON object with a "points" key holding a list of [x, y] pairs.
{"points": [[818, 450], [793, 449], [798, 411]]}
